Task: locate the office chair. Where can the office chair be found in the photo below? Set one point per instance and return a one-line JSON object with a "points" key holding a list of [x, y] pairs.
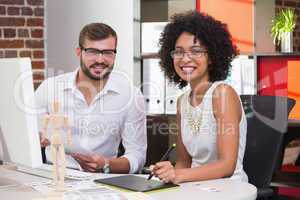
{"points": [[266, 124]]}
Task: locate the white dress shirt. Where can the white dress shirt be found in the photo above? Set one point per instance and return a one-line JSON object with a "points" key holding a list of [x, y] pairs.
{"points": [[116, 114]]}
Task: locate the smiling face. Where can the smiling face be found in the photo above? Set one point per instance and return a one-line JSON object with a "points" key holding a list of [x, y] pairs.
{"points": [[94, 64], [190, 59]]}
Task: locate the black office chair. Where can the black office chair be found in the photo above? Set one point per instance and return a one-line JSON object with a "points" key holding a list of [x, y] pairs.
{"points": [[266, 125]]}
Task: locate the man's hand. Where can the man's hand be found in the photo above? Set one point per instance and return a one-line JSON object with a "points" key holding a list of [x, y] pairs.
{"points": [[90, 163], [44, 142]]}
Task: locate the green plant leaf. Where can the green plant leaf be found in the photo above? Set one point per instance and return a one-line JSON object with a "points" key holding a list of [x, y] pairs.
{"points": [[284, 21]]}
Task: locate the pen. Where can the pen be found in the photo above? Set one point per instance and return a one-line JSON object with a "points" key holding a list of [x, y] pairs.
{"points": [[164, 157]]}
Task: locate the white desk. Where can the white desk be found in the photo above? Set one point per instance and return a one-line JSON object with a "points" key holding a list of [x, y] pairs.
{"points": [[227, 189]]}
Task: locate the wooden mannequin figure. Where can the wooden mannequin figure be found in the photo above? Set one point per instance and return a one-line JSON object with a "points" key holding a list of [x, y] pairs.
{"points": [[58, 122]]}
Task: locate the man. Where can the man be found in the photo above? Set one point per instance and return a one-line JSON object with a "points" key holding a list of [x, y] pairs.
{"points": [[102, 106]]}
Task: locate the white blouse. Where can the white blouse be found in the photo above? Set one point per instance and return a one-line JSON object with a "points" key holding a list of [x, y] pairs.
{"points": [[199, 132]]}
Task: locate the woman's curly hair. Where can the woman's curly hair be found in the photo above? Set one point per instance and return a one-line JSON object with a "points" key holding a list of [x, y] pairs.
{"points": [[211, 33]]}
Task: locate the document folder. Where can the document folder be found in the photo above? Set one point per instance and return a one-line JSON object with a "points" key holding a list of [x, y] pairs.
{"points": [[135, 183]]}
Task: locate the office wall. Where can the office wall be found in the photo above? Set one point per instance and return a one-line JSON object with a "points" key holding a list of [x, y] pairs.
{"points": [[279, 4], [249, 24], [22, 32], [154, 11], [176, 6], [162, 10]]}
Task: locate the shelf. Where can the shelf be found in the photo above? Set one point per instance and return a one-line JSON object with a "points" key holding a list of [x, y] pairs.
{"points": [[149, 55]]}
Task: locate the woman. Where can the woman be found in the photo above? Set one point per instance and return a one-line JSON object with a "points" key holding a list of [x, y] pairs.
{"points": [[197, 50]]}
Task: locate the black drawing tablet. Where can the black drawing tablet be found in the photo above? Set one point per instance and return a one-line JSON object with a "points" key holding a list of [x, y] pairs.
{"points": [[135, 183]]}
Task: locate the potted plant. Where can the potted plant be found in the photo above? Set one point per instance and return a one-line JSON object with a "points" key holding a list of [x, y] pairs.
{"points": [[282, 29]]}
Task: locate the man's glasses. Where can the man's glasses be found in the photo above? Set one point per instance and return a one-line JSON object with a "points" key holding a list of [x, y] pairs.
{"points": [[93, 53], [194, 53]]}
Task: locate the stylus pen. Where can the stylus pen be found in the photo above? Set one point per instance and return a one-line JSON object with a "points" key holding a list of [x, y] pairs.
{"points": [[164, 157]]}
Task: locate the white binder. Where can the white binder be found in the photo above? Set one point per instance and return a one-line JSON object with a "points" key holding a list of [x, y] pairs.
{"points": [[153, 87]]}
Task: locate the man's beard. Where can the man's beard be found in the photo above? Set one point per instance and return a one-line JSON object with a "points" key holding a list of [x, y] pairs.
{"points": [[107, 70]]}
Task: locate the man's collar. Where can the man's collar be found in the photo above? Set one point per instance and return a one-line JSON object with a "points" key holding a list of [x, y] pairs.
{"points": [[71, 80], [111, 84]]}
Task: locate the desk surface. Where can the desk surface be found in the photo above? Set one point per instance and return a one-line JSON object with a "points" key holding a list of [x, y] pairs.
{"points": [[223, 189]]}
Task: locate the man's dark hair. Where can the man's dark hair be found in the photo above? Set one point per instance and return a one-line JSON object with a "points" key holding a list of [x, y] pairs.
{"points": [[211, 33], [95, 31]]}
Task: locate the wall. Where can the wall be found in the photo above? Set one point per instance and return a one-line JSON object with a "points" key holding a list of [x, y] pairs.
{"points": [[154, 11], [175, 6], [22, 32], [162, 10], [296, 5], [249, 25]]}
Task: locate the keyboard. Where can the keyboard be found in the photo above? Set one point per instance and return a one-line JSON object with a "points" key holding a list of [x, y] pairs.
{"points": [[45, 171]]}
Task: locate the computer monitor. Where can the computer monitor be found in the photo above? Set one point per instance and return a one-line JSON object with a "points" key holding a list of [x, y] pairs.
{"points": [[18, 120]]}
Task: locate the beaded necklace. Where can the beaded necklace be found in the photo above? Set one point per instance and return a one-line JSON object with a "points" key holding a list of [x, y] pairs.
{"points": [[194, 122]]}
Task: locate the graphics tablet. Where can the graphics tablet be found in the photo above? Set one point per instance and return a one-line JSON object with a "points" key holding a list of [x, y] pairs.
{"points": [[135, 183]]}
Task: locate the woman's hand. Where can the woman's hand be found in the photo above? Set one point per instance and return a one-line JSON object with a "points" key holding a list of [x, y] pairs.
{"points": [[166, 172]]}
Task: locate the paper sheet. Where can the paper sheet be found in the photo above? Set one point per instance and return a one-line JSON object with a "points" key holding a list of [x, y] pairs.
{"points": [[79, 190], [76, 148], [136, 196]]}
